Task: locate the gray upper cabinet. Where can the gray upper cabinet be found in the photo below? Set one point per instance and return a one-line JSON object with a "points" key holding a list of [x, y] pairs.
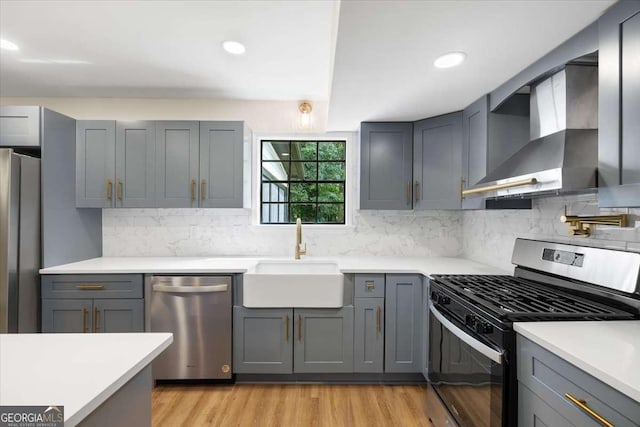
{"points": [[135, 164], [386, 165], [475, 122], [221, 151], [437, 162], [177, 154], [20, 126], [619, 106], [95, 163], [403, 327], [324, 340], [368, 335]]}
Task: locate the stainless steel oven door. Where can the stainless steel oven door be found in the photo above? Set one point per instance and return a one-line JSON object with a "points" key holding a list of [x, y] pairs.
{"points": [[467, 374]]}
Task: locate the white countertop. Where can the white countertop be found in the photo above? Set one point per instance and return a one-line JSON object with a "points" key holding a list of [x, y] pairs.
{"points": [[609, 351], [78, 371], [177, 265]]}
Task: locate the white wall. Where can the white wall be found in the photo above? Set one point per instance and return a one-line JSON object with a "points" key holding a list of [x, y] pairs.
{"points": [[260, 116], [488, 236]]}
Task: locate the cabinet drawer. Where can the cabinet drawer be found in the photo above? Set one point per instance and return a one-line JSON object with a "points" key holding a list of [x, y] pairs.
{"points": [[369, 285], [550, 377], [71, 286]]}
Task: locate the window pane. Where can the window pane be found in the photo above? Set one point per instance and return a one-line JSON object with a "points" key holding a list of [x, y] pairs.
{"points": [[331, 192], [303, 192], [331, 172], [304, 151], [331, 213], [275, 150], [265, 192], [331, 150], [307, 171], [275, 171], [307, 213], [265, 213]]}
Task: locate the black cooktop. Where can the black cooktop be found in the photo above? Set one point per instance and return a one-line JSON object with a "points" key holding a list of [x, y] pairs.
{"points": [[516, 299]]}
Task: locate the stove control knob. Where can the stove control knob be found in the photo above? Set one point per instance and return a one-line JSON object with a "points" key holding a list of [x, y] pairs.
{"points": [[444, 300], [434, 296], [469, 319], [483, 327], [479, 326]]}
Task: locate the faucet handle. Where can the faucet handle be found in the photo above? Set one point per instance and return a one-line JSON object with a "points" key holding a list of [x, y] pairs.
{"points": [[303, 251]]}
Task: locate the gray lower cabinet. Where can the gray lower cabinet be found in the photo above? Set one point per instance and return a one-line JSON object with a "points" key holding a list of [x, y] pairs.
{"points": [[284, 340], [221, 163], [619, 106], [20, 126], [135, 164], [92, 303], [425, 329], [177, 158], [262, 340], [368, 335], [403, 326], [386, 153], [546, 382], [95, 163], [437, 157], [324, 340]]}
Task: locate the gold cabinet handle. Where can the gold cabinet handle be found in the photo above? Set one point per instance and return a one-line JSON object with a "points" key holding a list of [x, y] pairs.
{"points": [[379, 319], [109, 187], [85, 312], [299, 328], [582, 404], [286, 328], [119, 191], [90, 287], [203, 187], [370, 285], [461, 188], [408, 192], [416, 191], [193, 190], [96, 313]]}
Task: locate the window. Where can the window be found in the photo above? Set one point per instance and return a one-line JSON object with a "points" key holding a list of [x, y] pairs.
{"points": [[304, 179]]}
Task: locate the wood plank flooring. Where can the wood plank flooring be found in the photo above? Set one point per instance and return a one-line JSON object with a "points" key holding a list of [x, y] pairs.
{"points": [[291, 405]]}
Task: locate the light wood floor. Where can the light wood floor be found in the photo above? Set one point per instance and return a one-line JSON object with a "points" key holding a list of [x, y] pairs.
{"points": [[290, 405]]}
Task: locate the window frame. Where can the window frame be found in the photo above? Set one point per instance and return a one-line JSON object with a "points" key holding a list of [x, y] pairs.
{"points": [[288, 203]]}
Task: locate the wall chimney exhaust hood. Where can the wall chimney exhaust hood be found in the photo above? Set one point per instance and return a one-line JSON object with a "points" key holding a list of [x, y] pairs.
{"points": [[562, 155]]}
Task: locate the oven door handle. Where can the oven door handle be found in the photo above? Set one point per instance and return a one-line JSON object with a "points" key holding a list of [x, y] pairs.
{"points": [[483, 349]]}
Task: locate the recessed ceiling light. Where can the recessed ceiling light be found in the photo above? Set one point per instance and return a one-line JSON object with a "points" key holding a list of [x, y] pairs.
{"points": [[6, 44], [233, 47], [450, 59]]}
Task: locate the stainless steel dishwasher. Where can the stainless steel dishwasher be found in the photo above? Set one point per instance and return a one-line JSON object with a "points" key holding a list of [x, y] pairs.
{"points": [[197, 310]]}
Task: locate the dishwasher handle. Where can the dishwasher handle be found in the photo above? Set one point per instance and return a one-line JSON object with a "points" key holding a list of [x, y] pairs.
{"points": [[190, 289]]}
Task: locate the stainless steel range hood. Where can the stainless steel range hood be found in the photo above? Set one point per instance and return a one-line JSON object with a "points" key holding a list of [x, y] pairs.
{"points": [[562, 156]]}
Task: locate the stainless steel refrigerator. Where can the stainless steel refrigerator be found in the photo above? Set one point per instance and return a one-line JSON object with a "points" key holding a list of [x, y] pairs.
{"points": [[19, 242]]}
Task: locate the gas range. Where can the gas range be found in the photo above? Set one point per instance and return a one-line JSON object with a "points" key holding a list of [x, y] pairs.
{"points": [[471, 337]]}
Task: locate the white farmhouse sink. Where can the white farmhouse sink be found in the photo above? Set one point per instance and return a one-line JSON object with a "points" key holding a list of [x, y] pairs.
{"points": [[304, 283]]}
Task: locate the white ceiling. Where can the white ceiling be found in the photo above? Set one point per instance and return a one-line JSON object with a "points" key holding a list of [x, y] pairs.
{"points": [[385, 52], [168, 49], [380, 67]]}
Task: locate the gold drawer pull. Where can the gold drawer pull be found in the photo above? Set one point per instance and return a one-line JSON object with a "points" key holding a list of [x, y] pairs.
{"points": [[109, 190], [370, 285], [85, 312], [203, 188], [408, 193], [582, 404], [379, 319], [96, 313], [119, 191], [193, 190], [286, 328], [90, 287], [299, 328], [416, 191]]}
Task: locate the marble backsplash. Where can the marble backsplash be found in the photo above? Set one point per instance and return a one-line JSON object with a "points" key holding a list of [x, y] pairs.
{"points": [[228, 232], [488, 236]]}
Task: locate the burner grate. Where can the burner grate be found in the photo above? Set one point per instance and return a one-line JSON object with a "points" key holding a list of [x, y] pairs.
{"points": [[520, 299]]}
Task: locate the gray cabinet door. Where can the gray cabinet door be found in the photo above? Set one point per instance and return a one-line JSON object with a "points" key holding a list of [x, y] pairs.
{"points": [[67, 315], [118, 315], [323, 340], [385, 165], [437, 161], [425, 328], [19, 126], [534, 412], [221, 150], [403, 338], [95, 163], [619, 106], [474, 148], [262, 340], [368, 335], [135, 164], [177, 164]]}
